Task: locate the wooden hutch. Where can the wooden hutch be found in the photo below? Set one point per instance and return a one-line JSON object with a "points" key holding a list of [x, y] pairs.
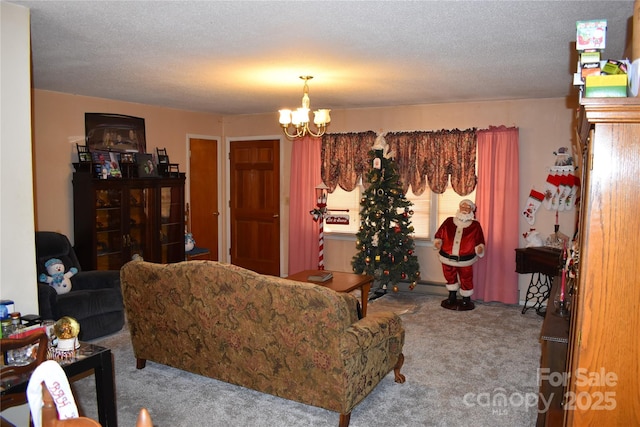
{"points": [[117, 219], [603, 360]]}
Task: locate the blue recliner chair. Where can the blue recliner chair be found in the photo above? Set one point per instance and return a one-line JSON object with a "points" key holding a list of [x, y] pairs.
{"points": [[95, 299]]}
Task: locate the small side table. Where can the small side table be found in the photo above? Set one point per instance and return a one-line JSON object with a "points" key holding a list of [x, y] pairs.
{"points": [[543, 263], [341, 282], [197, 253]]}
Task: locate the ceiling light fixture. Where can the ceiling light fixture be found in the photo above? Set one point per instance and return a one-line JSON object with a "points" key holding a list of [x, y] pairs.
{"points": [[299, 118]]}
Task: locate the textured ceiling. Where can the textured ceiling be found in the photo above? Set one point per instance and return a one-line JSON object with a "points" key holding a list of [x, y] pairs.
{"points": [[244, 57]]}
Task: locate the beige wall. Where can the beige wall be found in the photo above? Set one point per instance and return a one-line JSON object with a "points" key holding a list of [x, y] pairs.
{"points": [[59, 125], [545, 125]]}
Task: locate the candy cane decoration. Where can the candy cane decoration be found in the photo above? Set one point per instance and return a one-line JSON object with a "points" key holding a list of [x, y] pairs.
{"points": [[321, 243], [318, 215]]}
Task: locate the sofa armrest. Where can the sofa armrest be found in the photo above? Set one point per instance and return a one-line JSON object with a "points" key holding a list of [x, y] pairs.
{"points": [[96, 279], [46, 301], [369, 332]]}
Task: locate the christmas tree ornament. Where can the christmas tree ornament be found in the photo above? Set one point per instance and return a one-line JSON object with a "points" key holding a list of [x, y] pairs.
{"points": [[395, 288], [412, 285]]}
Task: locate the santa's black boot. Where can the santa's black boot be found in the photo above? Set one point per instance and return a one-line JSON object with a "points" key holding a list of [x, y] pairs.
{"points": [[466, 304], [450, 303]]}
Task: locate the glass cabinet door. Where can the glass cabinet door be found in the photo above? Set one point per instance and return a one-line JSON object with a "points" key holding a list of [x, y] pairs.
{"points": [[139, 238], [109, 238], [171, 225]]}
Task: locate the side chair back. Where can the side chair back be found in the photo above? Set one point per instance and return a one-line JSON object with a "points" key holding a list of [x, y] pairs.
{"points": [[20, 374]]}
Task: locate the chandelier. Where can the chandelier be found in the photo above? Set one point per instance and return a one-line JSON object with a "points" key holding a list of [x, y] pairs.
{"points": [[298, 119]]}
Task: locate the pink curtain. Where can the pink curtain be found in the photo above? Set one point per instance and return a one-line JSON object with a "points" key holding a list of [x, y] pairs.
{"points": [[497, 210], [303, 230]]}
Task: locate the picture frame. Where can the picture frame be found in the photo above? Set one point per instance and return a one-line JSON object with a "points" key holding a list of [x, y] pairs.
{"points": [[146, 167], [128, 165], [84, 155], [106, 164], [127, 158], [115, 132]]}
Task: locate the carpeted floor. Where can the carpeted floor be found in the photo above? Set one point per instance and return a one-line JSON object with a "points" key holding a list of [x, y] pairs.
{"points": [[474, 368]]}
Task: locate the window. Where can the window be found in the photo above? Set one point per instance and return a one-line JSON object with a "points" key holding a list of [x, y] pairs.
{"points": [[424, 224]]}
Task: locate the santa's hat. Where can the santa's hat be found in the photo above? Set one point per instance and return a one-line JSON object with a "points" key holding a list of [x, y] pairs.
{"points": [[468, 202]]}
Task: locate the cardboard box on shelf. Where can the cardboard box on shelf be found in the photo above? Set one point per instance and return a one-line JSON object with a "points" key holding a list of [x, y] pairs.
{"points": [[590, 57], [592, 69], [606, 86], [612, 66]]}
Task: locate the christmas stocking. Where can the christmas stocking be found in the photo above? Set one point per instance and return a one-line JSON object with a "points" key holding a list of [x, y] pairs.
{"points": [[552, 187], [533, 203], [566, 183], [571, 199]]}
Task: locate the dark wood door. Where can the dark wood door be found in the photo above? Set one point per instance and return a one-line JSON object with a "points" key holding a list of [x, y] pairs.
{"points": [[203, 207], [255, 203]]}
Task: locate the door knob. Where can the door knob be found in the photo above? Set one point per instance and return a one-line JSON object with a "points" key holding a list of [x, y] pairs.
{"points": [[276, 216]]}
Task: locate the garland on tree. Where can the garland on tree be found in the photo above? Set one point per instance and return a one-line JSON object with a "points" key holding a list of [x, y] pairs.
{"points": [[385, 244]]}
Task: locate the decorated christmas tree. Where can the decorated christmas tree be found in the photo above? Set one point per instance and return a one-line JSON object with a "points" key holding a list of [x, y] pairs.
{"points": [[384, 242]]}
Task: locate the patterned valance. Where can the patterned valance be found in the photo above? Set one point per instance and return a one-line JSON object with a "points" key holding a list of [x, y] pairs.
{"points": [[345, 158], [424, 159]]}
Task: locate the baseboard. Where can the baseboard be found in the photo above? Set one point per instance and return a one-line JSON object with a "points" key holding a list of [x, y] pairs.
{"points": [[424, 288], [431, 288]]}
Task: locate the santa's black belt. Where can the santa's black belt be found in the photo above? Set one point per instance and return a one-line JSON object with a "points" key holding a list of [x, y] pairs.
{"points": [[457, 257]]}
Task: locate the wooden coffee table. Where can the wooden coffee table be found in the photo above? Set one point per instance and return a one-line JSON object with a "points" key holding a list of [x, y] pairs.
{"points": [[341, 282]]}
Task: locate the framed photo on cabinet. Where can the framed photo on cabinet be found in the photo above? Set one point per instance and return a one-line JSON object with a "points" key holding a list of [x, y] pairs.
{"points": [[146, 167]]}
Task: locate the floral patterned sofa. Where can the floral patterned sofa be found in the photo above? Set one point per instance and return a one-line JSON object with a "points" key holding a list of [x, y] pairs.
{"points": [[294, 340]]}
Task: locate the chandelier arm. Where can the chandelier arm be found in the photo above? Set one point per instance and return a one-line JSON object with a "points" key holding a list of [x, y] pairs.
{"points": [[321, 130], [296, 135]]}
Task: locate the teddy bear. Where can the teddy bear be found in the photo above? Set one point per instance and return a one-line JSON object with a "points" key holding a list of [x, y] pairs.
{"points": [[57, 278]]}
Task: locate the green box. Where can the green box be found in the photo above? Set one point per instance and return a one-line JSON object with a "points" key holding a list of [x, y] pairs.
{"points": [[606, 86]]}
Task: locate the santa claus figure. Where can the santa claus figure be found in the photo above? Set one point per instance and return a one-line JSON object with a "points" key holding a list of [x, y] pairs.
{"points": [[460, 243]]}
